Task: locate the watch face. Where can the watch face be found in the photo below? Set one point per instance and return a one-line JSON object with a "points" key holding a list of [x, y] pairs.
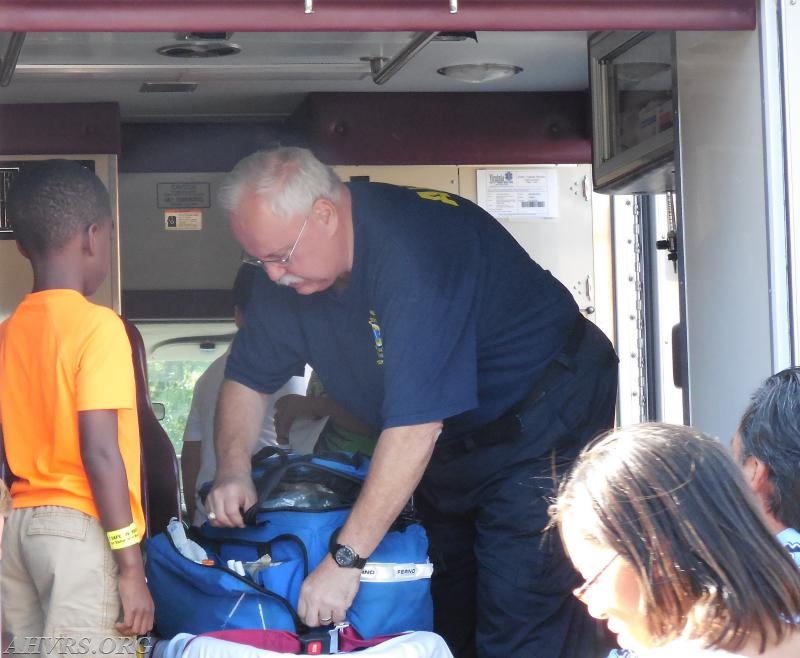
{"points": [[344, 556]]}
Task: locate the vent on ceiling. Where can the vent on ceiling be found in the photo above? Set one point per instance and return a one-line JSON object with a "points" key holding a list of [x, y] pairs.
{"points": [[167, 87], [203, 36], [200, 49]]}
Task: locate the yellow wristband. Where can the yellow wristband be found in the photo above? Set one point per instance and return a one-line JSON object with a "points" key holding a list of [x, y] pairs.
{"points": [[123, 537]]}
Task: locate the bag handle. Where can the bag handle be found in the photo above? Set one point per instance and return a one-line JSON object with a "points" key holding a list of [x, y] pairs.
{"points": [[258, 459], [275, 472], [282, 469], [295, 468], [267, 482]]}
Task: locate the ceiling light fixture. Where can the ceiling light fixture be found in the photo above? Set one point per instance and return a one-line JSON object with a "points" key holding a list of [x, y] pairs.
{"points": [[477, 73]]}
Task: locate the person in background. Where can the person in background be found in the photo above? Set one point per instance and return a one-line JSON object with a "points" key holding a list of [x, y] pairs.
{"points": [[767, 446], [425, 318], [72, 561], [198, 461], [676, 555], [344, 431]]}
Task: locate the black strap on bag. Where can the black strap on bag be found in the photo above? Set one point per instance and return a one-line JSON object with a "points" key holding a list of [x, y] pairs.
{"points": [[509, 426], [260, 458], [273, 467]]}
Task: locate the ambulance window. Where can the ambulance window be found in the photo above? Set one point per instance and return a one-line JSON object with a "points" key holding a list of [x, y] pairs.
{"points": [[177, 354]]}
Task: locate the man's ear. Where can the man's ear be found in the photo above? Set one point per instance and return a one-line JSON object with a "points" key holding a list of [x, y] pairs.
{"points": [[325, 213], [756, 473], [22, 250]]}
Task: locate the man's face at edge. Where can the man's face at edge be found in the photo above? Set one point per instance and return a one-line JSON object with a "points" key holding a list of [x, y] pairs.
{"points": [[263, 235]]}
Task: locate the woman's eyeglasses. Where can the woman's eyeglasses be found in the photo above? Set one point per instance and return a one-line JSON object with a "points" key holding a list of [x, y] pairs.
{"points": [[580, 592]]}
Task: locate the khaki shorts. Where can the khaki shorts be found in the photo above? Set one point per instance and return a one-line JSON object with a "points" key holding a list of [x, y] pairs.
{"points": [[59, 584]]}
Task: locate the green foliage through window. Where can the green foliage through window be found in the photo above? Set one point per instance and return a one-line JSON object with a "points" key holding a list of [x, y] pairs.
{"points": [[172, 384]]}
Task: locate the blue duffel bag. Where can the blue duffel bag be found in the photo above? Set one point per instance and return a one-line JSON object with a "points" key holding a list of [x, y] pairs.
{"points": [[303, 500]]}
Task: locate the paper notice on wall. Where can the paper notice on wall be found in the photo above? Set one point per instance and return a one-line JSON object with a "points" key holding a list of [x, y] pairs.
{"points": [[519, 193], [183, 195], [182, 219]]}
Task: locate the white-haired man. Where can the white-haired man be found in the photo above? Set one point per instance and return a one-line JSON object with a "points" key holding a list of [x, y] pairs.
{"points": [[426, 319]]}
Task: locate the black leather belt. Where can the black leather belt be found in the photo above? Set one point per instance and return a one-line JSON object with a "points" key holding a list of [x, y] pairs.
{"points": [[509, 426]]}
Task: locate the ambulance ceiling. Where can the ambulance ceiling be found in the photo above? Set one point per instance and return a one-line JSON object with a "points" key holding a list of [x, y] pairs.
{"points": [[113, 50]]}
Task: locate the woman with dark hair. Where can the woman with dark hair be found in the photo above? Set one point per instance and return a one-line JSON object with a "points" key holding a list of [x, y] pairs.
{"points": [[676, 555]]}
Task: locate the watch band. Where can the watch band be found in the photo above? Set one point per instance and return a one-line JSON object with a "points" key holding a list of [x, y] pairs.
{"points": [[345, 556]]}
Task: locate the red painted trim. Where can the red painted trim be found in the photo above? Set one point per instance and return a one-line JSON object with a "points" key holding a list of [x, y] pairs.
{"points": [[441, 128], [373, 15], [59, 128]]}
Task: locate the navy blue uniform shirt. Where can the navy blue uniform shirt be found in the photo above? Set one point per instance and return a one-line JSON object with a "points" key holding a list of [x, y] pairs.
{"points": [[445, 316]]}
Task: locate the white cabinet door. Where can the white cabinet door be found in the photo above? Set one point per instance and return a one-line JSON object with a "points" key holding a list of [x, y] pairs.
{"points": [[568, 245], [564, 243]]}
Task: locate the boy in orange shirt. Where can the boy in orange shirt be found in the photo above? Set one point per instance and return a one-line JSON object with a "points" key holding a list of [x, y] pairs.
{"points": [[72, 566]]}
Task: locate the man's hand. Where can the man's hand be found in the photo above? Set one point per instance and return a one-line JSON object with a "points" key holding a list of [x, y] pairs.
{"points": [[137, 604], [328, 593], [229, 497], [239, 415], [399, 461]]}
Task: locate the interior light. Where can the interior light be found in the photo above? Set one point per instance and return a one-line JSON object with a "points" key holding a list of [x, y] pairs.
{"points": [[476, 73]]}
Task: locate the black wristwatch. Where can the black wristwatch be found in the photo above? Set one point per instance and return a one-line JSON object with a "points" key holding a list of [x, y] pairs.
{"points": [[345, 556]]}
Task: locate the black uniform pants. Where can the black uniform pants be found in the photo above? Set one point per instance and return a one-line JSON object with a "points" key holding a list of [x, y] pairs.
{"points": [[502, 586]]}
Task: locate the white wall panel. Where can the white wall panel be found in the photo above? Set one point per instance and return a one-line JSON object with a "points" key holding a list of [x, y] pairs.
{"points": [[724, 263]]}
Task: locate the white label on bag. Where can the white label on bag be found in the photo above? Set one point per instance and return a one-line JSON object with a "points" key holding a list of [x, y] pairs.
{"points": [[383, 572]]}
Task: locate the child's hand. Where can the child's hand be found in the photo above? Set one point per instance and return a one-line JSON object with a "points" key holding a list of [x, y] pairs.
{"points": [[287, 409], [137, 604]]}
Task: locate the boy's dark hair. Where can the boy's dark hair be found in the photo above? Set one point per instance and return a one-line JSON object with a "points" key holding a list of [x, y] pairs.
{"points": [[243, 286], [50, 202], [770, 432]]}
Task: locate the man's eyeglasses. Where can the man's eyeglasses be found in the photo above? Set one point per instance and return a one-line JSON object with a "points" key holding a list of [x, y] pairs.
{"points": [[276, 260], [580, 592]]}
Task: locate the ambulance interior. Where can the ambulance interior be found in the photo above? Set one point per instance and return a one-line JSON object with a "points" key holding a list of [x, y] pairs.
{"points": [[163, 113]]}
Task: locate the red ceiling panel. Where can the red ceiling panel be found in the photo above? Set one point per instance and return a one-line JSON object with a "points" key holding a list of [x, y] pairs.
{"points": [[372, 15]]}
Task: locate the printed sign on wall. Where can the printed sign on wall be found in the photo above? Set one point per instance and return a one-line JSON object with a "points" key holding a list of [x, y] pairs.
{"points": [[181, 219], [183, 195], [518, 193]]}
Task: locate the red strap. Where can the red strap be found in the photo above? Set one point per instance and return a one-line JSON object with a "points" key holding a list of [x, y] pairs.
{"points": [[280, 641], [350, 640], [286, 642]]}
